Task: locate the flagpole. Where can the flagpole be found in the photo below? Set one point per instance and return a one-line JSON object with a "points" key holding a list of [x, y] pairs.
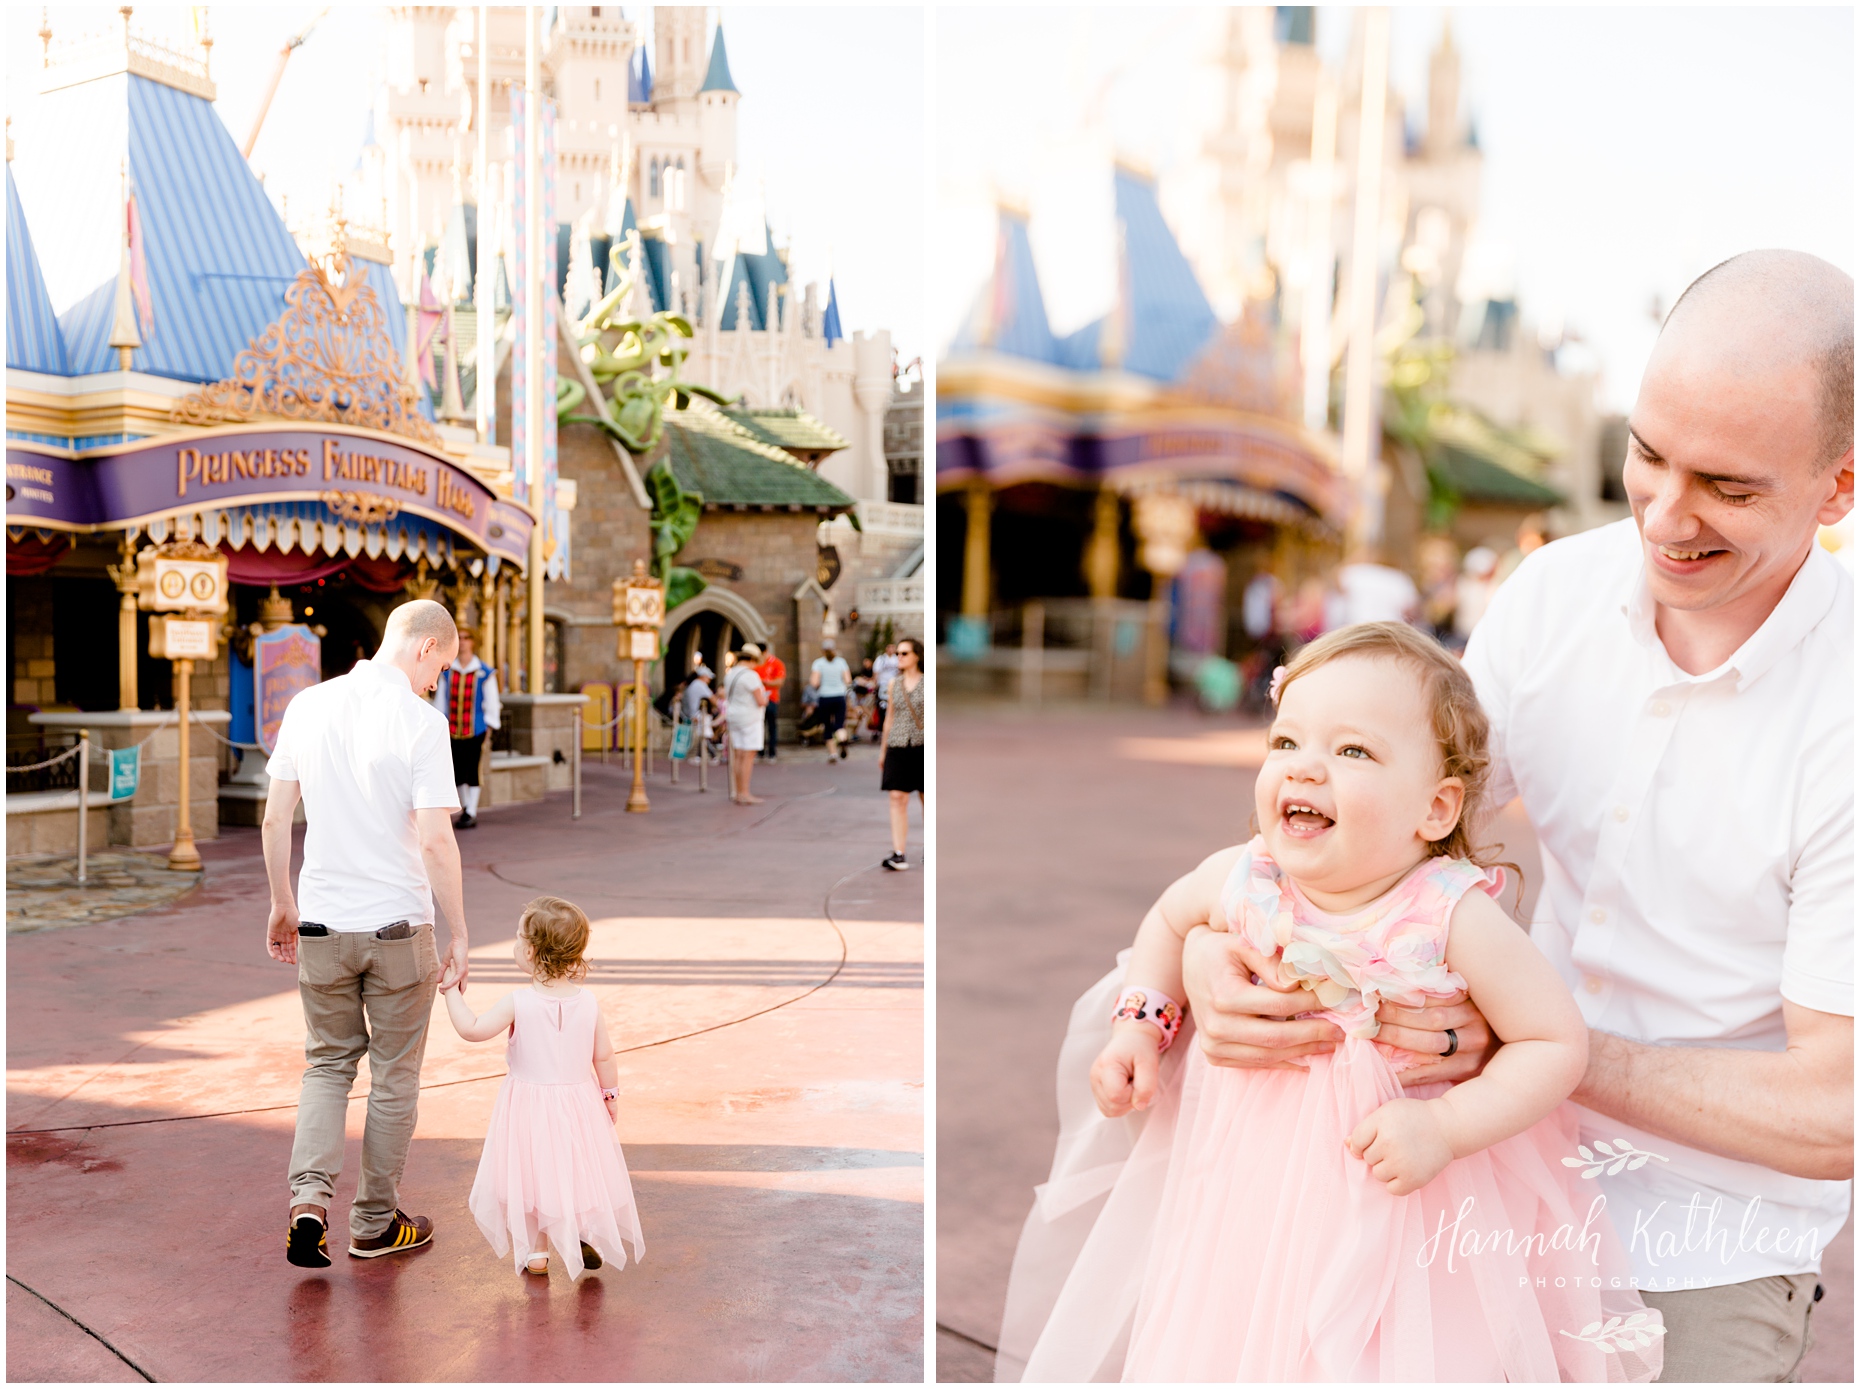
{"points": [[532, 319]]}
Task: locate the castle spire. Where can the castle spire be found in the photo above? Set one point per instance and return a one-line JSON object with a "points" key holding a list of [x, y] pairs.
{"points": [[717, 79]]}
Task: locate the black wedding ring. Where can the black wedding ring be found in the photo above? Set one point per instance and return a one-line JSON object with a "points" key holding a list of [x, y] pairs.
{"points": [[1453, 1042]]}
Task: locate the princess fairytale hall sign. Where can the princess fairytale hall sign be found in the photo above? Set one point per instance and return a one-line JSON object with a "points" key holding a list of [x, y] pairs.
{"points": [[216, 469], [284, 662]]}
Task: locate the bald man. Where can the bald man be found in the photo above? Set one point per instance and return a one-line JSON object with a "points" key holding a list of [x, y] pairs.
{"points": [[1672, 698], [372, 763]]}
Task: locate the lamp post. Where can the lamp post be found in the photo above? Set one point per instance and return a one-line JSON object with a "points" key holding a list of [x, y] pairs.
{"points": [[189, 579], [639, 613], [1166, 527]]}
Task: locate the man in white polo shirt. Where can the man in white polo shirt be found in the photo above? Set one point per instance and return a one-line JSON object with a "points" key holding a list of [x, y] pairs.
{"points": [[373, 765], [1672, 697]]}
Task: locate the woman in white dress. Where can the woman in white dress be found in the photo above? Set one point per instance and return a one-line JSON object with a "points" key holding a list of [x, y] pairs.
{"points": [[744, 697]]}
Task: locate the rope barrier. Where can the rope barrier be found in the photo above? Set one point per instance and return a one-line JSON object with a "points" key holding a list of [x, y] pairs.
{"points": [[71, 751], [194, 717]]}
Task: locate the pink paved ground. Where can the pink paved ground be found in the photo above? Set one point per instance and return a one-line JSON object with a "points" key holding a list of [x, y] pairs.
{"points": [[1055, 831], [777, 1154]]}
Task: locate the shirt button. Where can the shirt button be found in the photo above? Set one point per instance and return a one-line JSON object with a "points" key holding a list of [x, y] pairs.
{"points": [[1621, 813], [1661, 709], [1592, 984], [1597, 915]]}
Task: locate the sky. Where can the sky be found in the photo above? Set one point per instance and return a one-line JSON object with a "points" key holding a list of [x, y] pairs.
{"points": [[831, 121], [1626, 150]]}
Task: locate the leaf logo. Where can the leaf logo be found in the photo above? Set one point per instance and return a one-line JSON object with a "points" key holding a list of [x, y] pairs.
{"points": [[1622, 1157], [1620, 1333]]}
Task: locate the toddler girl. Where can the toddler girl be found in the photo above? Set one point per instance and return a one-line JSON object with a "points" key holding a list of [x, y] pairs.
{"points": [[1312, 1220], [552, 1171]]}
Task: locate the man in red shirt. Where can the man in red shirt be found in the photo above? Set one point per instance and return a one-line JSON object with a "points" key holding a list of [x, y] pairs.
{"points": [[773, 672]]}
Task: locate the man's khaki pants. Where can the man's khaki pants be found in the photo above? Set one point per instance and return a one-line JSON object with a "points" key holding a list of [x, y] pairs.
{"points": [[1740, 1333], [361, 995]]}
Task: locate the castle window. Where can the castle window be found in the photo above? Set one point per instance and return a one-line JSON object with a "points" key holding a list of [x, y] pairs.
{"points": [[597, 81], [652, 178]]}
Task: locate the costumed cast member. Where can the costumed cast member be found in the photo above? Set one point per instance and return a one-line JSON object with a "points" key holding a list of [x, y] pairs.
{"points": [[467, 695]]}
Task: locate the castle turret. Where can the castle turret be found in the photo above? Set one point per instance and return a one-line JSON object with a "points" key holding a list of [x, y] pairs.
{"points": [[678, 43], [1445, 131], [717, 100]]}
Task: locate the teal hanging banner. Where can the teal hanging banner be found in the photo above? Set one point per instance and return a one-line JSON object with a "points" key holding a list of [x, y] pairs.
{"points": [[125, 772]]}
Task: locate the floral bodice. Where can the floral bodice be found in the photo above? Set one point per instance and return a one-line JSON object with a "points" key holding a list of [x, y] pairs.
{"points": [[1394, 948]]}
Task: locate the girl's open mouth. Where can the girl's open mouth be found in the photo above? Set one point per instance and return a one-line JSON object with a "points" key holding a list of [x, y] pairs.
{"points": [[1301, 820]]}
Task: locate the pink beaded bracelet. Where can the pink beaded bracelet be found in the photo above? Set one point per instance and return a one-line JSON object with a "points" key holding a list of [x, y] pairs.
{"points": [[1152, 1006]]}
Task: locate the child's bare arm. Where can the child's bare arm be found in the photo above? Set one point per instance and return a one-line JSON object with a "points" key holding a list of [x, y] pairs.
{"points": [[606, 1069], [1407, 1142], [1125, 1074], [474, 1027], [1190, 901], [1546, 1043]]}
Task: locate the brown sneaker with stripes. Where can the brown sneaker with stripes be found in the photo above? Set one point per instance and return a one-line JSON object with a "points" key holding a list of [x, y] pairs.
{"points": [[403, 1233]]}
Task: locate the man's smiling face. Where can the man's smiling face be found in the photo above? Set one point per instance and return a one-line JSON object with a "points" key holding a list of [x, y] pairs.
{"points": [[1729, 467]]}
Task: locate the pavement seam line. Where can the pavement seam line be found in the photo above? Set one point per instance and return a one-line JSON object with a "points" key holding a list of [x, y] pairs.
{"points": [[948, 1330], [825, 911], [81, 1327]]}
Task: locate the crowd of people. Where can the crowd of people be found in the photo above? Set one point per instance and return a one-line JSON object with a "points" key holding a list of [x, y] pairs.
{"points": [[1450, 596]]}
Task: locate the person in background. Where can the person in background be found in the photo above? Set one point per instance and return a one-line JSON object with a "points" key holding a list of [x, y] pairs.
{"points": [[1533, 535], [885, 668], [1376, 592], [698, 691], [467, 695], [1302, 616], [865, 699], [1440, 572], [744, 699], [1259, 607], [773, 670], [1478, 581], [830, 677], [901, 764]]}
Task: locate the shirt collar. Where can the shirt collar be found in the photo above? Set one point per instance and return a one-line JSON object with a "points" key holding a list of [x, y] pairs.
{"points": [[1806, 602], [385, 671]]}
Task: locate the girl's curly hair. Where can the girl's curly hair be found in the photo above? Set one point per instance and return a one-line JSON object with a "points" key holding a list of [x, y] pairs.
{"points": [[1460, 727], [556, 932]]}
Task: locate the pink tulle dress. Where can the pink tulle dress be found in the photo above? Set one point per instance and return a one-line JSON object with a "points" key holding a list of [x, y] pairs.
{"points": [[1228, 1234], [552, 1172]]}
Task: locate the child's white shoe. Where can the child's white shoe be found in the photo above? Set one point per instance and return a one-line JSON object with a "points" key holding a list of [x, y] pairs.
{"points": [[538, 1264]]}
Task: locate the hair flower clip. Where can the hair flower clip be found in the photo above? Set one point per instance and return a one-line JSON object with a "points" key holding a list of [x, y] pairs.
{"points": [[1278, 684]]}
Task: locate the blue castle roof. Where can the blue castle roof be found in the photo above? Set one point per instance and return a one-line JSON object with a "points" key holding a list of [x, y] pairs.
{"points": [[33, 342], [1009, 315], [1169, 319], [717, 77], [639, 79], [758, 272], [219, 256]]}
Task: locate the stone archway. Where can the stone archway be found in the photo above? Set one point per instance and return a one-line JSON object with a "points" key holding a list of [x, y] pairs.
{"points": [[718, 599]]}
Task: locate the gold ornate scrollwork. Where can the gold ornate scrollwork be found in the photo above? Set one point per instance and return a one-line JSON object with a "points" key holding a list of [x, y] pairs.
{"points": [[327, 357], [362, 508]]}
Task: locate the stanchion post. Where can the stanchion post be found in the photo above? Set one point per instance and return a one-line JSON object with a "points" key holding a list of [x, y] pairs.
{"points": [[639, 612], [83, 760], [577, 768]]}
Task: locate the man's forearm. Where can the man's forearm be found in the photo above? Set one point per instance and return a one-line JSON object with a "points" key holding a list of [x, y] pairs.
{"points": [[446, 876], [276, 840], [1764, 1107]]}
